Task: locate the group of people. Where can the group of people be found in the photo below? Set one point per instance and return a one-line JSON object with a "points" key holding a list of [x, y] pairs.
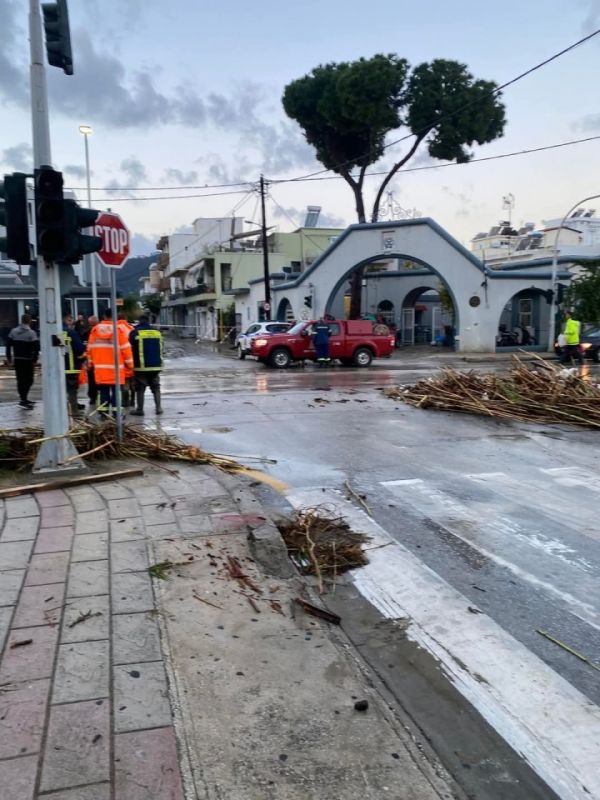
{"points": [[89, 357]]}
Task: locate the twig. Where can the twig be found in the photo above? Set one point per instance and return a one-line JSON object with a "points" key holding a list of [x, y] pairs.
{"points": [[358, 498], [568, 649], [252, 603], [82, 618], [89, 452], [208, 603]]}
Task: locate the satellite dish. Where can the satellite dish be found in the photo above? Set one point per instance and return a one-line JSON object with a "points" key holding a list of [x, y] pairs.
{"points": [[66, 277]]}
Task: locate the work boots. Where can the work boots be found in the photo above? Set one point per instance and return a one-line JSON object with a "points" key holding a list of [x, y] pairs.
{"points": [[156, 393], [139, 401]]}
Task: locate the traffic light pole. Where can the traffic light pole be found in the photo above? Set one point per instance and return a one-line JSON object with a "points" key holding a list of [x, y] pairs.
{"points": [[90, 257], [265, 249], [56, 447]]}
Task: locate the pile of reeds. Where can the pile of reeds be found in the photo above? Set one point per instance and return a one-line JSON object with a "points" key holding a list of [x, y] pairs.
{"points": [[536, 392], [18, 448], [322, 544]]}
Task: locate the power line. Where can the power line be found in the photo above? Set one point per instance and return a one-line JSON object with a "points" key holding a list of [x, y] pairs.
{"points": [[168, 197], [497, 90], [158, 188]]}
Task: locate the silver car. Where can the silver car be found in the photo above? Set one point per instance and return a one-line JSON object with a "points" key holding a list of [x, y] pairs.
{"points": [[244, 340]]}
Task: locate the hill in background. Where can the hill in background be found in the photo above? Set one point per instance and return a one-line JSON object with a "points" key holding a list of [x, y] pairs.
{"points": [[128, 277]]}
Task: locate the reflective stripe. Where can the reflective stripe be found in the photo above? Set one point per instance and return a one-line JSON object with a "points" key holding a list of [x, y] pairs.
{"points": [[70, 369]]}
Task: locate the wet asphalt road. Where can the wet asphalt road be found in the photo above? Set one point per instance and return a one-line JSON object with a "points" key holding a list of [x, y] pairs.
{"points": [[506, 513]]}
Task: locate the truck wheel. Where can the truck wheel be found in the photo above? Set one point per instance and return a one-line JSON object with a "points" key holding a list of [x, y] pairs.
{"points": [[362, 357], [241, 353], [280, 358]]}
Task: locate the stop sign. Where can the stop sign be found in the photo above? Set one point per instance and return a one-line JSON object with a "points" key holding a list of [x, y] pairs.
{"points": [[115, 239]]}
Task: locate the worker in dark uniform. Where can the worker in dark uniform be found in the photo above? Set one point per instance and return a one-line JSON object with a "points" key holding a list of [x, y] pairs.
{"points": [[147, 346], [74, 357], [321, 335], [22, 350]]}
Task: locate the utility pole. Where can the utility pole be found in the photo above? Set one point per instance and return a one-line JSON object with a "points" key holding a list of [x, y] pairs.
{"points": [[267, 305], [57, 447]]}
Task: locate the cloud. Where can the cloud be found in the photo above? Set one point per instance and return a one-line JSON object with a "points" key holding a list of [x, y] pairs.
{"points": [[591, 20], [134, 169], [173, 175], [76, 170], [143, 245], [590, 124], [19, 157], [14, 85]]}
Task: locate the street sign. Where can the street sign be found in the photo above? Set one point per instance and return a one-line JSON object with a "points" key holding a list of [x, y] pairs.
{"points": [[267, 306], [115, 240]]}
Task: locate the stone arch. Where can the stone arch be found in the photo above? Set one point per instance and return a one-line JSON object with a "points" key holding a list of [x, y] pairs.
{"points": [[285, 313], [524, 320]]}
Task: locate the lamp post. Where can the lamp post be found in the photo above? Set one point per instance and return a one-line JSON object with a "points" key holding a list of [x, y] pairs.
{"points": [[553, 307], [90, 258]]}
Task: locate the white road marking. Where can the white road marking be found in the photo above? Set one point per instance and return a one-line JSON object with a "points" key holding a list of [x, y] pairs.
{"points": [[540, 714]]}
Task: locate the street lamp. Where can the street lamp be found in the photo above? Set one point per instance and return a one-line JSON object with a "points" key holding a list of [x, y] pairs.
{"points": [[90, 258], [553, 308]]}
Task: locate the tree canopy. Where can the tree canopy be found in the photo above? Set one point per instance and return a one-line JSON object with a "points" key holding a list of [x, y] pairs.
{"points": [[583, 294], [347, 110]]}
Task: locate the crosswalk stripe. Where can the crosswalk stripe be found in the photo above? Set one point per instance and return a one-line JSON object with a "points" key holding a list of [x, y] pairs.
{"points": [[539, 713]]}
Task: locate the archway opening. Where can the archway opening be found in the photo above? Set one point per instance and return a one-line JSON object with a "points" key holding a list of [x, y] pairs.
{"points": [[427, 317], [285, 312], [524, 322]]}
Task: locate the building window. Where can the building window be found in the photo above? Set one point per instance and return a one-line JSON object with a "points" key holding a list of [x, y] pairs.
{"points": [[225, 277], [525, 312]]}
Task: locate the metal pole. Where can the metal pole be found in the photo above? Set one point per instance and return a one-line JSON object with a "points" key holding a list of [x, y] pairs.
{"points": [[90, 257], [113, 305], [58, 447], [265, 251], [553, 306]]}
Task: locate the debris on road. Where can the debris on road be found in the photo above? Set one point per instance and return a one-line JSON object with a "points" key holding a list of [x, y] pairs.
{"points": [[83, 616], [161, 569], [360, 498], [570, 650], [21, 643], [537, 392], [321, 544], [317, 611], [207, 602], [361, 705]]}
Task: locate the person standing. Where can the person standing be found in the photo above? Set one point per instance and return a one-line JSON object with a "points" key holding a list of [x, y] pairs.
{"points": [[571, 333], [147, 346], [100, 353], [321, 335], [81, 327], [124, 325], [23, 349], [92, 388], [74, 356]]}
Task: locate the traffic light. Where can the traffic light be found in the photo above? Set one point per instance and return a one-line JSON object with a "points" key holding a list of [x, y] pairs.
{"points": [[78, 244], [560, 293], [13, 215], [58, 35], [308, 301], [49, 214]]}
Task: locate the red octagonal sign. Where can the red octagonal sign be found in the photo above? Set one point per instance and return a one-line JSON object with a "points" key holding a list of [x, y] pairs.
{"points": [[115, 239]]}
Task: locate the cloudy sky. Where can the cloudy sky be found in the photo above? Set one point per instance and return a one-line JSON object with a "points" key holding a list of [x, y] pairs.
{"points": [[188, 93]]}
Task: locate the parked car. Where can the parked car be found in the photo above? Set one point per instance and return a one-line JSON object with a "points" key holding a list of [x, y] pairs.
{"points": [[589, 344], [352, 342], [244, 340]]}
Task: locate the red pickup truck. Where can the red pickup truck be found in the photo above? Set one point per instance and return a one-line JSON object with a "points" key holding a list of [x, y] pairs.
{"points": [[351, 341]]}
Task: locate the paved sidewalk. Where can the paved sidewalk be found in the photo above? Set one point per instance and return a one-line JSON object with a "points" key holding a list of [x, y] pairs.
{"points": [[248, 705], [83, 690]]}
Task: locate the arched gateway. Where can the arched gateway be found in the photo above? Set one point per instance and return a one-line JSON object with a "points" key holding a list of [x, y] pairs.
{"points": [[479, 294]]}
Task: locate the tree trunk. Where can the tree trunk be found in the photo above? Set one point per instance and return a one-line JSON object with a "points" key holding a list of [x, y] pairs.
{"points": [[392, 172], [357, 275]]}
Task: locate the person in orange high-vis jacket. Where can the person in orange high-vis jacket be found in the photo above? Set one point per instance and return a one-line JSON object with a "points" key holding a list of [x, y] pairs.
{"points": [[100, 354], [127, 394]]}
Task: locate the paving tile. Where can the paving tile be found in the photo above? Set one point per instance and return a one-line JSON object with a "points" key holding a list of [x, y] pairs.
{"points": [[113, 491], [22, 716], [140, 697], [10, 586], [167, 531], [57, 516], [54, 540], [55, 497], [39, 605], [17, 507], [84, 500], [131, 592], [135, 638], [88, 578], [91, 629], [154, 515], [129, 556], [90, 547], [82, 672], [5, 617], [29, 662], [123, 508], [20, 530], [15, 555], [149, 495], [17, 778], [47, 568], [125, 530], [197, 524], [146, 766], [78, 745], [91, 522], [100, 791]]}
